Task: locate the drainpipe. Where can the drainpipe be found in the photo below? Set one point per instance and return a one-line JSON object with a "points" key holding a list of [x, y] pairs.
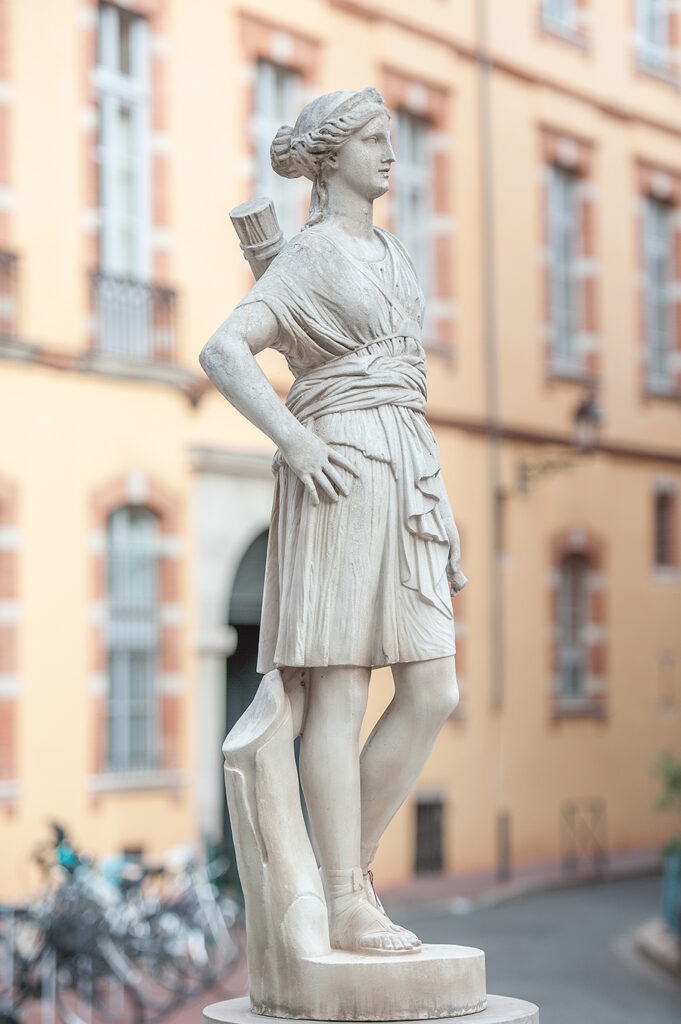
{"points": [[490, 348]]}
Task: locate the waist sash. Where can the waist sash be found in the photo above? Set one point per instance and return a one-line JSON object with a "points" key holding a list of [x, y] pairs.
{"points": [[389, 371]]}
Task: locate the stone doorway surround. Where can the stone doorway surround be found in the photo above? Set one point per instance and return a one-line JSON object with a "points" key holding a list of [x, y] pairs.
{"points": [[232, 505]]}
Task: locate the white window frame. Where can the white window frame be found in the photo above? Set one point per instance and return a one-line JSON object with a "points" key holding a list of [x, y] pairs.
{"points": [[652, 34], [565, 283], [658, 284], [414, 199], [116, 91], [277, 94], [572, 652], [133, 640]]}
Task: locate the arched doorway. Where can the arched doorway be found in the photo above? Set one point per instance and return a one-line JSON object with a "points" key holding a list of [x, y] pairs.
{"points": [[242, 679]]}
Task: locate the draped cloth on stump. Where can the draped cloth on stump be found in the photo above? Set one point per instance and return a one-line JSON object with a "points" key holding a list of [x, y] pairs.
{"points": [[361, 581]]}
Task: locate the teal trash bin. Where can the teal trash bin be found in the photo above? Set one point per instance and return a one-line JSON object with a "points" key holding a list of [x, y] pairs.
{"points": [[671, 889]]}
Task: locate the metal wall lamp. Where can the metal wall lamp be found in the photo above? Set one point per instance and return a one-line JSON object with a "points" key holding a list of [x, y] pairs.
{"points": [[586, 419]]}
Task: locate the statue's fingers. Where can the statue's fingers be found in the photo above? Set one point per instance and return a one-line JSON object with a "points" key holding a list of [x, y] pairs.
{"points": [[336, 479], [308, 484], [342, 460], [326, 486]]}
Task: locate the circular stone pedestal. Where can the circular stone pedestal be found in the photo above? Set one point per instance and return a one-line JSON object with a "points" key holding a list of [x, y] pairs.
{"points": [[436, 982], [499, 1010]]}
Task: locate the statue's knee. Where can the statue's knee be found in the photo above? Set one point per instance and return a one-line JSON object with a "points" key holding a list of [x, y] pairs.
{"points": [[453, 698], [446, 691], [449, 699]]}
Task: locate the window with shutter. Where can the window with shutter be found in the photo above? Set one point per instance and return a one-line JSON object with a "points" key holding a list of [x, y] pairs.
{"points": [[124, 167], [578, 626], [133, 639], [134, 319], [414, 185], [277, 102], [658, 245], [653, 34], [571, 625], [563, 254]]}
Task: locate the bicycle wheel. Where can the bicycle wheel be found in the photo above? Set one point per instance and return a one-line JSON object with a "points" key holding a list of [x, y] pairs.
{"points": [[149, 979]]}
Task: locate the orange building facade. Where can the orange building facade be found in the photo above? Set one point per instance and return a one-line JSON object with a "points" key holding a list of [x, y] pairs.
{"points": [[538, 186]]}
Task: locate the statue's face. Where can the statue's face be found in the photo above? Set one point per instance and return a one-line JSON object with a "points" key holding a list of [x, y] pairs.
{"points": [[363, 162]]}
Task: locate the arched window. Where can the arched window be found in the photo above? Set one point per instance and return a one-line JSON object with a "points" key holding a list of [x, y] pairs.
{"points": [[572, 621], [133, 639]]}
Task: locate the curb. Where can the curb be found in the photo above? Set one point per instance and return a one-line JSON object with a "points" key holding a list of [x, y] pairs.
{"points": [[654, 940], [460, 894]]}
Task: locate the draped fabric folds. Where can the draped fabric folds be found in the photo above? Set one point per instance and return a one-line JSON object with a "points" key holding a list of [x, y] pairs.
{"points": [[361, 581]]}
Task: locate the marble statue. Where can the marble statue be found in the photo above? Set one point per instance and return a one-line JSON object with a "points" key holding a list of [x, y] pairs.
{"points": [[362, 560]]}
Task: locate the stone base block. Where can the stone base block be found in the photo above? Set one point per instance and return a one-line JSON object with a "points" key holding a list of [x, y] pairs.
{"points": [[499, 1010], [438, 981]]}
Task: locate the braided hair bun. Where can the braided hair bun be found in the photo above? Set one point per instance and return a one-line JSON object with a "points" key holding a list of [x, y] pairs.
{"points": [[282, 155], [324, 125]]}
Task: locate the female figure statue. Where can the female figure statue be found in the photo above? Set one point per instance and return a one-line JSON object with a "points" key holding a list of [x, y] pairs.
{"points": [[363, 548]]}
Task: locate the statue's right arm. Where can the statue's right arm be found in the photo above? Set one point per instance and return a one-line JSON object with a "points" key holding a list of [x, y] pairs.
{"points": [[228, 358]]}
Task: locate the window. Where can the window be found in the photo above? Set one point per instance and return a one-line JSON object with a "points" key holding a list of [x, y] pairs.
{"points": [[579, 637], [571, 624], [563, 253], [653, 24], [133, 639], [570, 267], [664, 518], [429, 821], [277, 102], [658, 242], [414, 187], [123, 90], [8, 294], [560, 14], [133, 318]]}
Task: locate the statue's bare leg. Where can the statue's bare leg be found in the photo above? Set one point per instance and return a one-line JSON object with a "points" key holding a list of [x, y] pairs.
{"points": [[329, 772], [426, 694]]}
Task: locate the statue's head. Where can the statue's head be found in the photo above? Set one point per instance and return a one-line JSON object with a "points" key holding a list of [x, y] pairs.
{"points": [[311, 148]]}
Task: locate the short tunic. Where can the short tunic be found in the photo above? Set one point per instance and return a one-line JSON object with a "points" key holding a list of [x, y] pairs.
{"points": [[361, 581]]}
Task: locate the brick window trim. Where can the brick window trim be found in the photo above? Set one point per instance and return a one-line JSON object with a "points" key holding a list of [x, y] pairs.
{"points": [[275, 41], [593, 705], [141, 490], [577, 37], [662, 183], [9, 682], [432, 101], [564, 148]]}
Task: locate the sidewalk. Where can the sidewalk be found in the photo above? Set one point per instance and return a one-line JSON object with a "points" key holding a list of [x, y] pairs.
{"points": [[485, 889]]}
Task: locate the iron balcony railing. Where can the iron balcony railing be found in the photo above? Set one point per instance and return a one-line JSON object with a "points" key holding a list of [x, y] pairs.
{"points": [[133, 319], [9, 265]]}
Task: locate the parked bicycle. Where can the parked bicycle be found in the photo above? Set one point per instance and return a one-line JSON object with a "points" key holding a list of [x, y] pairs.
{"points": [[118, 942]]}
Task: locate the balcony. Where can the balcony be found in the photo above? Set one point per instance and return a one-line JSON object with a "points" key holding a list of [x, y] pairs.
{"points": [[133, 320], [8, 294]]}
